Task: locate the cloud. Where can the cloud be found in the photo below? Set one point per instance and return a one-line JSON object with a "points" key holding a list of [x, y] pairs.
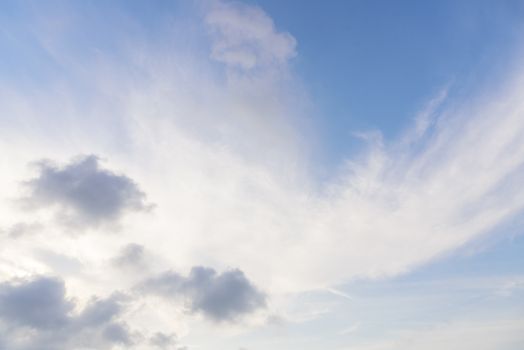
{"points": [[242, 198], [23, 228], [36, 314], [163, 341], [118, 334], [245, 37], [84, 193], [221, 297], [37, 304], [131, 255], [386, 212]]}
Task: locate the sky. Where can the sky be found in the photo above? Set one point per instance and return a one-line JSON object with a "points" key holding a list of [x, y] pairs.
{"points": [[253, 175]]}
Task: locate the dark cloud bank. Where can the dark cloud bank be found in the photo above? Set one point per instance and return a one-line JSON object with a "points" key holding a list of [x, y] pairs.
{"points": [[84, 193], [220, 297]]}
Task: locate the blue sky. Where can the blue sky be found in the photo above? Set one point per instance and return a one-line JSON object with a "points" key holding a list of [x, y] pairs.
{"points": [[248, 175], [399, 53]]}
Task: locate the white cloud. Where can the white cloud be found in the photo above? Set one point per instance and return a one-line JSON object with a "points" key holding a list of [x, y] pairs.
{"points": [[245, 37]]}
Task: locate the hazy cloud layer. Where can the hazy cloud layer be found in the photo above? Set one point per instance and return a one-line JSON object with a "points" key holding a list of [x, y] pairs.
{"points": [[222, 296], [84, 193]]}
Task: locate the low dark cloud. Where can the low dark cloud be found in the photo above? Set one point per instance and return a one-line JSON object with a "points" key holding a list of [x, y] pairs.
{"points": [[36, 314], [220, 297], [84, 193]]}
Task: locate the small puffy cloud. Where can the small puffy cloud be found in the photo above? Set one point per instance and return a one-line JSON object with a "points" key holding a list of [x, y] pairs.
{"points": [[245, 37], [36, 314], [220, 297], [163, 341], [131, 255], [84, 193]]}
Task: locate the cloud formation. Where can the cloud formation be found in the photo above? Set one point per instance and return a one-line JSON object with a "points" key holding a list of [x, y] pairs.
{"points": [[36, 314], [23, 228], [223, 160], [39, 304], [131, 255], [84, 193], [222, 296], [245, 37]]}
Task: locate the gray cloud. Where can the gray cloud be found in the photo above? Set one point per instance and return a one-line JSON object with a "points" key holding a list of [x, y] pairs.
{"points": [[117, 333], [131, 255], [23, 228], [163, 341], [101, 311], [84, 193], [36, 314], [220, 297], [38, 304]]}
